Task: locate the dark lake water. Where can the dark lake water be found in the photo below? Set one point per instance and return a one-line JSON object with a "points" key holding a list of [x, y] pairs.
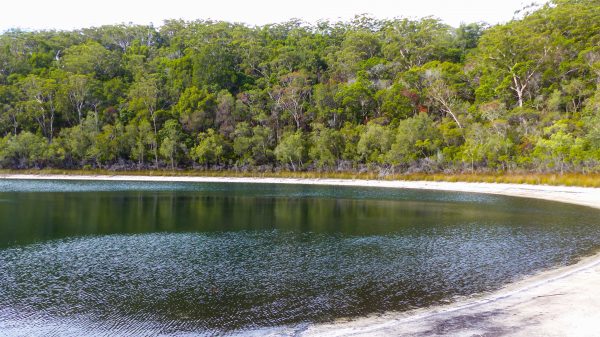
{"points": [[179, 259]]}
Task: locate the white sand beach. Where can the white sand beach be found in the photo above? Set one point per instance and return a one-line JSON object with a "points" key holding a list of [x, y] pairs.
{"points": [[560, 302]]}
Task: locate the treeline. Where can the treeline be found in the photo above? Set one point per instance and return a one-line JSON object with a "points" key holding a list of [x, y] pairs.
{"points": [[394, 95]]}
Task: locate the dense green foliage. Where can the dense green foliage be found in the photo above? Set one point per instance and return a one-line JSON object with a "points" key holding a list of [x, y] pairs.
{"points": [[394, 95]]}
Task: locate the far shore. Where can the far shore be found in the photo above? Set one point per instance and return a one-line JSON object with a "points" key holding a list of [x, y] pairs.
{"points": [[584, 196], [560, 302]]}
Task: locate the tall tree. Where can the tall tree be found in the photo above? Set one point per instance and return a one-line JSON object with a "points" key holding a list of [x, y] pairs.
{"points": [[143, 97]]}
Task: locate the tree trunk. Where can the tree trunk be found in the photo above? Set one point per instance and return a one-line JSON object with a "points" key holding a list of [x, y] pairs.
{"points": [[155, 140]]}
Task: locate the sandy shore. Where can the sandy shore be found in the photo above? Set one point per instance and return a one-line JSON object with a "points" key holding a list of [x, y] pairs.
{"points": [[560, 302]]}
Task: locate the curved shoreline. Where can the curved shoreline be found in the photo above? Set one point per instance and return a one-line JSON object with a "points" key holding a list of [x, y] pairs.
{"points": [[563, 301], [560, 302], [585, 196]]}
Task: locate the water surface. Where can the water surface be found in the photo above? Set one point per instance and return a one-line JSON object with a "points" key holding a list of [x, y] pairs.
{"points": [[131, 258]]}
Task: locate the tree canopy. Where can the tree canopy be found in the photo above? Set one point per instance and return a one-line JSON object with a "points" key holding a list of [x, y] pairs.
{"points": [[411, 95]]}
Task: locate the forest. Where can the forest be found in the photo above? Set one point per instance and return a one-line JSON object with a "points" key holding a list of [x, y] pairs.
{"points": [[394, 95]]}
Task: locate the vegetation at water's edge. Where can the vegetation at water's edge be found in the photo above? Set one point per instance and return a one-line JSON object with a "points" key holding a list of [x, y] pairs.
{"points": [[381, 96], [556, 179]]}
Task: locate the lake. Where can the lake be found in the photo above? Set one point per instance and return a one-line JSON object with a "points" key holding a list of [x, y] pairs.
{"points": [[175, 259]]}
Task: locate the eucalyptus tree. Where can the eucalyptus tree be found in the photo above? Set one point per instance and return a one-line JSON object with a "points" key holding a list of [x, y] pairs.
{"points": [[196, 109], [326, 146], [40, 103], [291, 96], [412, 43], [212, 148], [415, 138], [172, 145], [143, 98], [291, 150]]}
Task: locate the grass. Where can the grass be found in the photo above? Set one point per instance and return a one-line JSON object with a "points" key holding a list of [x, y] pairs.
{"points": [[567, 179]]}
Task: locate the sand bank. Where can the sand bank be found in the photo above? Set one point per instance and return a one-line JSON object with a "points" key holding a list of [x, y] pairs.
{"points": [[559, 302]]}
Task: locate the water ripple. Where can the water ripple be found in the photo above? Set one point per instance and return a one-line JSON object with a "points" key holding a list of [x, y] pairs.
{"points": [[222, 260]]}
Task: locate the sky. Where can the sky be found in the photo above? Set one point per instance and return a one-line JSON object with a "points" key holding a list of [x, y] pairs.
{"points": [[73, 14]]}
